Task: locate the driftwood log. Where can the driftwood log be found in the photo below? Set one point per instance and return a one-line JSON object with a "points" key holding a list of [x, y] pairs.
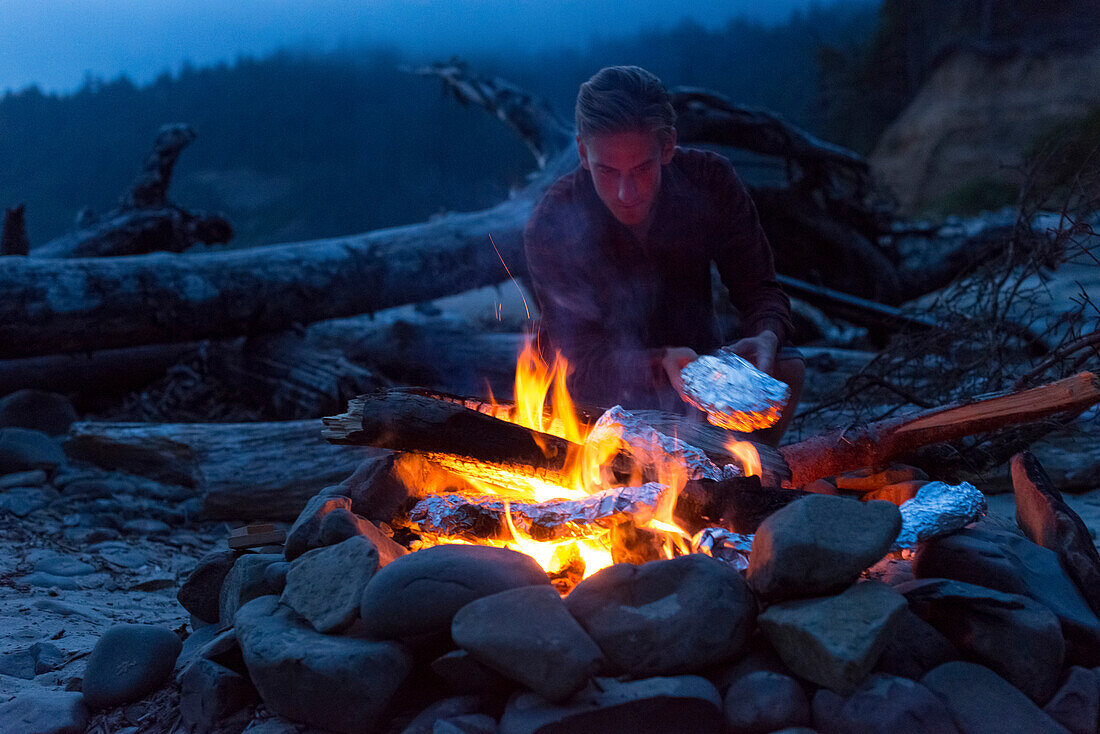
{"points": [[145, 220], [239, 470]]}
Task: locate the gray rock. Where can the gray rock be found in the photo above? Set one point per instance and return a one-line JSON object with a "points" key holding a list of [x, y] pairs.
{"points": [[419, 593], [88, 536], [1047, 520], [464, 674], [22, 449], [442, 710], [834, 641], [338, 683], [305, 533], [33, 478], [62, 565], [760, 657], [47, 412], [128, 662], [982, 702], [374, 490], [22, 501], [211, 693], [666, 617], [914, 648], [819, 545], [200, 593], [244, 582], [985, 555], [1076, 705], [17, 664], [1016, 637], [761, 702], [326, 585], [47, 657], [884, 704], [527, 635], [275, 576], [44, 712], [609, 706], [122, 554], [328, 519]]}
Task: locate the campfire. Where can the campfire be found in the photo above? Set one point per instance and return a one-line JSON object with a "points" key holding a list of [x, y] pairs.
{"points": [[589, 491]]}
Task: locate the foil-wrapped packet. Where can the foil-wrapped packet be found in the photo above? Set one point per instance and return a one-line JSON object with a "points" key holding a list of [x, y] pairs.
{"points": [[731, 548], [734, 394], [938, 509], [646, 445]]}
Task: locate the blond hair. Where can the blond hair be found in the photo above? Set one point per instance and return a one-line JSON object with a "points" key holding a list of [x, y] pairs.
{"points": [[623, 99]]}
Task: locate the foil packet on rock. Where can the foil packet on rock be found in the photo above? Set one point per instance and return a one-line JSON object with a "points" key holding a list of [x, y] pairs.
{"points": [[733, 393]]}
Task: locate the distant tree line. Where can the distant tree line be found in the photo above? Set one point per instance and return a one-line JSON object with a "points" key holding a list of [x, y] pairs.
{"points": [[295, 146]]}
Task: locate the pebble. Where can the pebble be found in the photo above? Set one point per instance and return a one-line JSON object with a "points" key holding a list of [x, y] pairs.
{"points": [[23, 450], [128, 662]]}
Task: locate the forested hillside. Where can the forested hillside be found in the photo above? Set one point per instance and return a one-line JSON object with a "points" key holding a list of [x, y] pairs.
{"points": [[295, 146]]}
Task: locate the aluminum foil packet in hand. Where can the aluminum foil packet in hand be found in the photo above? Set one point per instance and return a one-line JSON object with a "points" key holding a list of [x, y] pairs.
{"points": [[733, 393]]}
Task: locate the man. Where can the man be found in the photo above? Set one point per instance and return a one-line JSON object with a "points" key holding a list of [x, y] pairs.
{"points": [[620, 254]]}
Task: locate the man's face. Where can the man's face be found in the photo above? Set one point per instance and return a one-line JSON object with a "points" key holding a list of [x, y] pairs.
{"points": [[626, 170]]}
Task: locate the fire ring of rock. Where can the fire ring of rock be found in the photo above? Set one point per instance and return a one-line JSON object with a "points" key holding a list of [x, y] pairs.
{"points": [[847, 614]]}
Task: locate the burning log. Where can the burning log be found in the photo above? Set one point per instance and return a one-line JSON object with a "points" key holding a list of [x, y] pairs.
{"points": [[402, 420], [876, 443], [496, 517]]}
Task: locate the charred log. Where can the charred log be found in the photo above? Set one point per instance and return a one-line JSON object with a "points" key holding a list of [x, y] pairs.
{"points": [[738, 504], [13, 238], [144, 221]]}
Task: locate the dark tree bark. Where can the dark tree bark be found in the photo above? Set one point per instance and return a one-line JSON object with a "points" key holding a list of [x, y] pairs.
{"points": [[145, 220]]}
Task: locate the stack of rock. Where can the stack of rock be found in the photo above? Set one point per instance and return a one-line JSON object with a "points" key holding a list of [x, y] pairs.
{"points": [[989, 629]]}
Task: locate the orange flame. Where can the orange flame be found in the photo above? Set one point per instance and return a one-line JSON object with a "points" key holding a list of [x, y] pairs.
{"points": [[747, 454]]}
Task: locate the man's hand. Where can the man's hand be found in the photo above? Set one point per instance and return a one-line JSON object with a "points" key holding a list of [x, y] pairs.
{"points": [[762, 350], [674, 360]]}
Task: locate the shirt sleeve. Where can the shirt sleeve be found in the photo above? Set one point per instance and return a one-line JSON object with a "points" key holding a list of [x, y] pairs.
{"points": [[744, 258], [565, 276]]}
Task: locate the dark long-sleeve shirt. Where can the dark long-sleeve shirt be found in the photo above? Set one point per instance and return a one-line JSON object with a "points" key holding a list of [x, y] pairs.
{"points": [[610, 303]]}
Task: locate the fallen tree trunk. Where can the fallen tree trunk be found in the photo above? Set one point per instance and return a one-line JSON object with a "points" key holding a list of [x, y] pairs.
{"points": [[55, 306], [240, 470], [876, 443], [440, 353]]}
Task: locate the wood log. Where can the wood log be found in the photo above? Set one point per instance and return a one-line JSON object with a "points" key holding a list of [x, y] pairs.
{"points": [[877, 443], [144, 221], [462, 440], [859, 311], [738, 504], [13, 236], [58, 306], [407, 347], [239, 470]]}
